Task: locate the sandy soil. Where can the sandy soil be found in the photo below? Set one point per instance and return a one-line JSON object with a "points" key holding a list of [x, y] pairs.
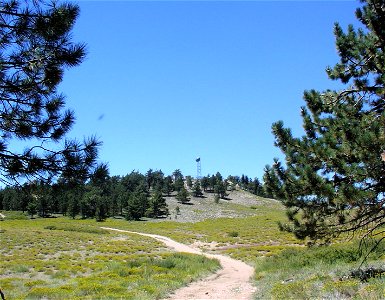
{"points": [[230, 282]]}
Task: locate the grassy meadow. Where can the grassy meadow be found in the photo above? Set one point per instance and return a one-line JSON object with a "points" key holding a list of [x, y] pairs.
{"points": [[74, 259], [57, 258]]}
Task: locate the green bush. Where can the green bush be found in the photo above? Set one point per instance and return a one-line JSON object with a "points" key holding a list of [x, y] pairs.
{"points": [[233, 234]]}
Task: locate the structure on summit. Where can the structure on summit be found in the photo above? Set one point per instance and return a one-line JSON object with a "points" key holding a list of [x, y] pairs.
{"points": [[199, 168]]}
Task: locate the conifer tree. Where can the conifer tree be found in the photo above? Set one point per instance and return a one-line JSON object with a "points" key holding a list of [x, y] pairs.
{"points": [[196, 190], [333, 179], [205, 182], [168, 186], [35, 49], [157, 205], [137, 204], [178, 184], [183, 195], [220, 189]]}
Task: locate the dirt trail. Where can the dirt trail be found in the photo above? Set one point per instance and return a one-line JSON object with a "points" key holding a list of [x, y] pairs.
{"points": [[230, 282]]}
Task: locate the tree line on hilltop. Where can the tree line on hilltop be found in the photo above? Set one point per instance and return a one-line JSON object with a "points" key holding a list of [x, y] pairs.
{"points": [[132, 196]]}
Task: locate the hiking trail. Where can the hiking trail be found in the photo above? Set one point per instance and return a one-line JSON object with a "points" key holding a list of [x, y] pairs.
{"points": [[233, 281]]}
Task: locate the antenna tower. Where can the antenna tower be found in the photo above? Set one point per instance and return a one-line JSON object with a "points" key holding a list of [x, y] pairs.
{"points": [[199, 170]]}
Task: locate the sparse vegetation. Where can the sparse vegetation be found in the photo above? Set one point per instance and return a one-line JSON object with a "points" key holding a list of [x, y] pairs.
{"points": [[320, 273], [72, 259]]}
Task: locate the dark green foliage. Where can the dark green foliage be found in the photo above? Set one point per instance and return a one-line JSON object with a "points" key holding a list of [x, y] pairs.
{"points": [[157, 206], [73, 202], [334, 181], [256, 187], [205, 183], [177, 174], [215, 184], [10, 198], [149, 178], [118, 196], [32, 208], [196, 190], [94, 204], [100, 197], [213, 181], [233, 233], [183, 196], [36, 48], [220, 189], [245, 183], [178, 184], [209, 182], [367, 273], [168, 186], [99, 193], [137, 204]]}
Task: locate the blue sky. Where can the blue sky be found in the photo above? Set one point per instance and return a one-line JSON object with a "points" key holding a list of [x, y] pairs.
{"points": [[166, 82]]}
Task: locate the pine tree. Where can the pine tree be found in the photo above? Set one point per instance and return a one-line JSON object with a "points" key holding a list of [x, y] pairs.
{"points": [[168, 186], [220, 189], [183, 196], [32, 208], [178, 184], [137, 204], [196, 190], [35, 48], [205, 182], [334, 178], [157, 205], [177, 174]]}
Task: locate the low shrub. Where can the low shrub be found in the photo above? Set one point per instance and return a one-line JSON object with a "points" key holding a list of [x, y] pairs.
{"points": [[292, 290], [77, 228], [367, 273], [233, 234], [297, 258]]}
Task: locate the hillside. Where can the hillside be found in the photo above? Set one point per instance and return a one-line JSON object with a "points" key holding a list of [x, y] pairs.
{"points": [[238, 204]]}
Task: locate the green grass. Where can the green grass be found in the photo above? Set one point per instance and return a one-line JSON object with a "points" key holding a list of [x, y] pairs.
{"points": [[248, 237], [77, 228], [72, 259], [317, 273], [15, 215]]}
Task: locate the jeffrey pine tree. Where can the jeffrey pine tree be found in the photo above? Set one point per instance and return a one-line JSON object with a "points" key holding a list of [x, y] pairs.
{"points": [[35, 49], [333, 180]]}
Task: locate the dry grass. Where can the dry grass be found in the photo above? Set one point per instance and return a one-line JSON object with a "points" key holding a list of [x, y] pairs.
{"points": [[77, 260]]}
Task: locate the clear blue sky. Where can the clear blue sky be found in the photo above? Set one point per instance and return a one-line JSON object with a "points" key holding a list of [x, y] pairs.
{"points": [[165, 82]]}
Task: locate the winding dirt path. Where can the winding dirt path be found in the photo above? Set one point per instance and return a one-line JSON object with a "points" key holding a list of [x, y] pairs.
{"points": [[230, 282]]}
